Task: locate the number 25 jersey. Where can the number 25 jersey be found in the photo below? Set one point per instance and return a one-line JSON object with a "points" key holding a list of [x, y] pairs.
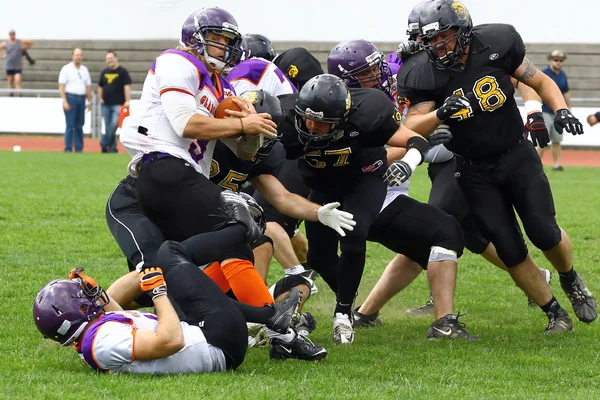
{"points": [[492, 123]]}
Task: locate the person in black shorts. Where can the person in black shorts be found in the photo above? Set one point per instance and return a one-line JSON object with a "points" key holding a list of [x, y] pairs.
{"points": [[337, 134], [463, 78]]}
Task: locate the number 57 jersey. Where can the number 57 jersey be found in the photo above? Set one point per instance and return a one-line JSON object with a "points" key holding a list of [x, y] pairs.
{"points": [[492, 123]]}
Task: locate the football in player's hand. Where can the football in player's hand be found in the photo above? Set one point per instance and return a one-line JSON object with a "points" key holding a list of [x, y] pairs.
{"points": [[227, 104]]}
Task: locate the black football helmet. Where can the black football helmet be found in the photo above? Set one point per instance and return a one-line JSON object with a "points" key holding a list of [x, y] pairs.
{"points": [[265, 102], [255, 45], [324, 98], [438, 16]]}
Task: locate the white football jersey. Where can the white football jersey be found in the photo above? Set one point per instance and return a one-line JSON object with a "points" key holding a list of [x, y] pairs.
{"points": [[149, 129], [258, 73], [107, 346]]}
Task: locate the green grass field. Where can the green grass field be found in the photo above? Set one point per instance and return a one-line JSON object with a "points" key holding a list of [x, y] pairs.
{"points": [[52, 218]]}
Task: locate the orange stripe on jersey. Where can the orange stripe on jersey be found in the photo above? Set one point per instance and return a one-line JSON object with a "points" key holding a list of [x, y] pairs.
{"points": [[176, 90], [133, 332], [218, 87], [93, 353], [151, 71]]}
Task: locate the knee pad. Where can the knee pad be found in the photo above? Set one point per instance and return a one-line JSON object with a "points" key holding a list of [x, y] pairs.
{"points": [[449, 237], [441, 254], [286, 284], [262, 240]]}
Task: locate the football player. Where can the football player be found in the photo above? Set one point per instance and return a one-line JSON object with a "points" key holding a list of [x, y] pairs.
{"points": [[463, 78], [417, 231], [172, 139], [196, 328], [338, 136]]}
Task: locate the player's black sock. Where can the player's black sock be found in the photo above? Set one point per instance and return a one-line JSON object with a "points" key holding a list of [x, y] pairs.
{"points": [[552, 306], [205, 248], [260, 315], [568, 277], [343, 308]]}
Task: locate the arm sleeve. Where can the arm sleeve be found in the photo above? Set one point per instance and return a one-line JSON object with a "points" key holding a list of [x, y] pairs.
{"points": [[177, 82], [62, 76], [516, 53], [126, 77]]}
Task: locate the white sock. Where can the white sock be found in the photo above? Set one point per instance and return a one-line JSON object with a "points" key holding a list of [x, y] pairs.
{"points": [[287, 337], [295, 270]]}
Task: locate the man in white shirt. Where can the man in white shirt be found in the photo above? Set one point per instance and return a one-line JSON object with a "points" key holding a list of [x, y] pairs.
{"points": [[75, 86]]}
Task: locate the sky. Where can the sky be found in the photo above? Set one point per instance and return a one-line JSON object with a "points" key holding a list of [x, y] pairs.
{"points": [[538, 21]]}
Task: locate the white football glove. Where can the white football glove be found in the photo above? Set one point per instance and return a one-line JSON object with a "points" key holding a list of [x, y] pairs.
{"points": [[336, 219]]}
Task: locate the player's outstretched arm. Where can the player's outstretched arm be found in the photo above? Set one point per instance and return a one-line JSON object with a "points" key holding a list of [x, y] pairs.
{"points": [[295, 206], [168, 338]]}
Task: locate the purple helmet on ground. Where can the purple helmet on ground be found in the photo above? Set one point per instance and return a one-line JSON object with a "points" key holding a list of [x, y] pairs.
{"points": [[61, 311], [195, 31], [413, 21], [354, 57]]}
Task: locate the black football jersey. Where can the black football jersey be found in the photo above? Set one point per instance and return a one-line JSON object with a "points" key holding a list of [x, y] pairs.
{"points": [[493, 122], [372, 121], [231, 172]]}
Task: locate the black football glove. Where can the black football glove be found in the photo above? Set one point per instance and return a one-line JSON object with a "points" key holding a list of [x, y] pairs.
{"points": [[451, 106], [536, 127], [407, 49], [397, 173], [441, 135], [565, 120]]}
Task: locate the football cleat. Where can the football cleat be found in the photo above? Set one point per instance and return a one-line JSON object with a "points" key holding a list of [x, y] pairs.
{"points": [[304, 323], [310, 275], [559, 323], [300, 347], [365, 320], [582, 300], [284, 311], [448, 327], [424, 310], [548, 276], [343, 333]]}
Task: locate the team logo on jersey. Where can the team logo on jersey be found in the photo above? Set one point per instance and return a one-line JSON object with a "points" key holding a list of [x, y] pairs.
{"points": [[370, 168], [493, 56], [353, 134], [292, 71], [250, 96], [397, 116], [348, 101], [310, 114], [460, 11]]}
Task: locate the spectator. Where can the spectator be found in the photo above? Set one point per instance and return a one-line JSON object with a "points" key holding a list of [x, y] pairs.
{"points": [[593, 119], [12, 49], [555, 72], [75, 85], [114, 91]]}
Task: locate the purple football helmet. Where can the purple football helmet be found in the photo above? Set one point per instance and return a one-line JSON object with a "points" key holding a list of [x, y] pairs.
{"points": [[353, 57], [61, 311], [195, 31]]}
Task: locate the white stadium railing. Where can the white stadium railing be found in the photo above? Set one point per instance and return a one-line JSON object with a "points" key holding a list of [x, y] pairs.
{"points": [[40, 111]]}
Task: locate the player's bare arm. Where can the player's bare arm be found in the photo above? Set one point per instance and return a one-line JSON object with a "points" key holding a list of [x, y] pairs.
{"points": [[285, 201], [541, 83], [394, 153], [421, 118], [168, 338]]}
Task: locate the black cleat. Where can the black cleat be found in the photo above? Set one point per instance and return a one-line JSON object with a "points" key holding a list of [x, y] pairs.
{"points": [[237, 211], [582, 300], [301, 348], [559, 323], [284, 311], [365, 321], [448, 327], [422, 311]]}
